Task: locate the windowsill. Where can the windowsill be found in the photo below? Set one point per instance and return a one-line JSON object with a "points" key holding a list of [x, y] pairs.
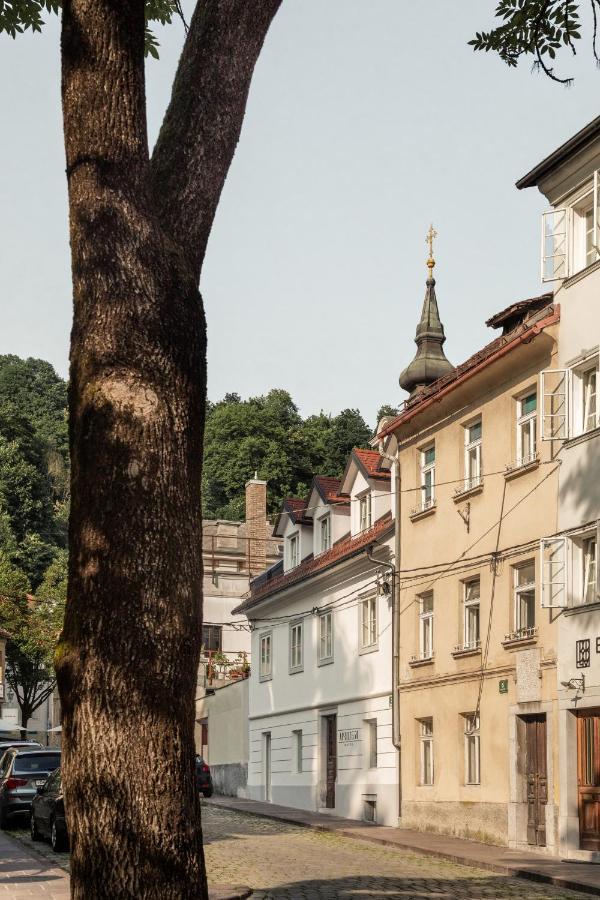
{"points": [[577, 276], [416, 662], [265, 677], [581, 607], [516, 640], [296, 670], [581, 438], [371, 648], [462, 652], [465, 493], [325, 662], [518, 469], [418, 514]]}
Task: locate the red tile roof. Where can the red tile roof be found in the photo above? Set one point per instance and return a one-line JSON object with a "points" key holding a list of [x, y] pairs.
{"points": [[371, 461], [329, 489], [518, 310], [347, 547]]}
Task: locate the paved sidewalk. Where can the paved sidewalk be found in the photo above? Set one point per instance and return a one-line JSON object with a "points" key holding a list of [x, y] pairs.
{"points": [[24, 875], [575, 876]]}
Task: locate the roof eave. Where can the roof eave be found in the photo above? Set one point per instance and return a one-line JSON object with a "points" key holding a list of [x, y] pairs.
{"points": [[574, 145]]}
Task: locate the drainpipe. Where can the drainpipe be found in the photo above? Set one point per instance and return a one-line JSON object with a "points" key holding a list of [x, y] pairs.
{"points": [[395, 460]]}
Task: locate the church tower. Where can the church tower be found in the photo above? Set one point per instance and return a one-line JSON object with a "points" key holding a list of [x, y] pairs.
{"points": [[430, 361]]}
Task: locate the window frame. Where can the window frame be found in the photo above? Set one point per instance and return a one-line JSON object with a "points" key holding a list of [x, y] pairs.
{"points": [[364, 502], [325, 526], [293, 550], [426, 624], [296, 646], [426, 738], [565, 249], [370, 603], [473, 481], [527, 421], [265, 636], [325, 615], [298, 751], [472, 737], [518, 590], [371, 754], [468, 606], [427, 469]]}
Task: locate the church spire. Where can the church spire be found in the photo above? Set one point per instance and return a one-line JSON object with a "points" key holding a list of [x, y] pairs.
{"points": [[430, 362]]}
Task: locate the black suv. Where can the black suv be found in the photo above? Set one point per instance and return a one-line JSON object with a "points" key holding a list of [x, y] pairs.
{"points": [[22, 772], [203, 778]]}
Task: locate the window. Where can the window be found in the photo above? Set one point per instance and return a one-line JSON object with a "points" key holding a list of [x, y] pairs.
{"points": [[266, 655], [368, 623], [325, 528], [527, 429], [589, 385], [426, 741], [296, 647], [326, 637], [471, 726], [427, 477], [589, 557], [293, 546], [297, 735], [371, 728], [212, 637], [472, 595], [364, 512], [426, 625], [524, 584], [569, 241], [473, 435]]}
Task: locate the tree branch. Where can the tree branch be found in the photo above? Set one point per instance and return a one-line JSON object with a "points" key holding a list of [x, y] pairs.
{"points": [[204, 118]]}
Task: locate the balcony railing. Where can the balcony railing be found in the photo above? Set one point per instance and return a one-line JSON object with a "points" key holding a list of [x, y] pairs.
{"points": [[468, 647], [224, 666], [521, 634]]}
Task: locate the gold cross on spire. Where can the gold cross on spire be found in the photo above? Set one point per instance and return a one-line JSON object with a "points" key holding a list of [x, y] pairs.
{"points": [[431, 235]]}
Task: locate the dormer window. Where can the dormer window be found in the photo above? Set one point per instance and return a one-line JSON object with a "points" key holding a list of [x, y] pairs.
{"points": [[293, 551], [365, 512], [570, 240], [325, 534]]}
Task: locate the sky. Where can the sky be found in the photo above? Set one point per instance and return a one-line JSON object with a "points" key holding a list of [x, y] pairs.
{"points": [[367, 120]]}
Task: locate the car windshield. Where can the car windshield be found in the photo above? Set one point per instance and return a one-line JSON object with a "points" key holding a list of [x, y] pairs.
{"points": [[37, 762]]}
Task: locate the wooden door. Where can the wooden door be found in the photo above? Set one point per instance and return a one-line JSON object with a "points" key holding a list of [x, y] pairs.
{"points": [[588, 778], [268, 768], [330, 760], [537, 779]]}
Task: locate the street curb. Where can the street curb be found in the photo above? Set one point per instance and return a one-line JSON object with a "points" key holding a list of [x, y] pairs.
{"points": [[499, 868]]}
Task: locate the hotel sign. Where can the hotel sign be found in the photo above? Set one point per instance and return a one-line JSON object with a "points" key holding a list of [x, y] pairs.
{"points": [[349, 736]]}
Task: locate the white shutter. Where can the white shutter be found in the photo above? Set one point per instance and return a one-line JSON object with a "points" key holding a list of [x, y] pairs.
{"points": [[554, 245], [555, 389], [596, 217], [553, 568]]}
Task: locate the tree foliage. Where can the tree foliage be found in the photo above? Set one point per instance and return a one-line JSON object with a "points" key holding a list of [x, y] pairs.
{"points": [[18, 16], [537, 28], [268, 435]]}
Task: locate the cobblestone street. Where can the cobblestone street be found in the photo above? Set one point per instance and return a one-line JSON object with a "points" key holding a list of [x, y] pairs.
{"points": [[282, 862]]}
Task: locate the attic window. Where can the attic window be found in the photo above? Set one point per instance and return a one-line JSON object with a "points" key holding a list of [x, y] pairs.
{"points": [[365, 512]]}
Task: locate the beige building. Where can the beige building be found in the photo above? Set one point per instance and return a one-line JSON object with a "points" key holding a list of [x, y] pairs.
{"points": [[476, 676]]}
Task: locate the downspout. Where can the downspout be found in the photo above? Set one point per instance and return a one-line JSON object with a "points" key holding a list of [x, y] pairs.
{"points": [[395, 460]]}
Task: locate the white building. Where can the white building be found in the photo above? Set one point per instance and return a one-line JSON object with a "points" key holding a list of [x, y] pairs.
{"points": [[569, 179], [320, 709]]}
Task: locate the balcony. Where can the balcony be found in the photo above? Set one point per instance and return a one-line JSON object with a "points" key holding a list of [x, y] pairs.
{"points": [[469, 648], [427, 508], [520, 638], [468, 487], [421, 660], [521, 466]]}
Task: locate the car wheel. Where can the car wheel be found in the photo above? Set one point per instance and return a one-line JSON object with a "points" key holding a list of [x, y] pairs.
{"points": [[57, 840], [35, 835], [208, 792]]}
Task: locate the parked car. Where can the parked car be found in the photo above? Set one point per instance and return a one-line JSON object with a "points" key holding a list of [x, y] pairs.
{"points": [[22, 745], [48, 814], [21, 773], [203, 777]]}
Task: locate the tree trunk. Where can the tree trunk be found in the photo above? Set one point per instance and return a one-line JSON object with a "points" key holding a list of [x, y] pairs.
{"points": [[25, 717], [128, 657]]}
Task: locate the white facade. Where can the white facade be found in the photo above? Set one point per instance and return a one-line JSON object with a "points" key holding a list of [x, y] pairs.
{"points": [[570, 242], [320, 714]]}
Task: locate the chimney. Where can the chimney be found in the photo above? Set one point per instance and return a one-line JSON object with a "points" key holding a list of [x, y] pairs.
{"points": [[256, 524]]}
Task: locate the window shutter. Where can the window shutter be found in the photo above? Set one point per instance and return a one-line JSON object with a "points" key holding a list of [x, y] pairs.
{"points": [[553, 568], [554, 245], [596, 217], [555, 388]]}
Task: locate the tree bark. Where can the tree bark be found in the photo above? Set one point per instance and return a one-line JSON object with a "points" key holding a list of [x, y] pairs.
{"points": [[128, 657]]}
